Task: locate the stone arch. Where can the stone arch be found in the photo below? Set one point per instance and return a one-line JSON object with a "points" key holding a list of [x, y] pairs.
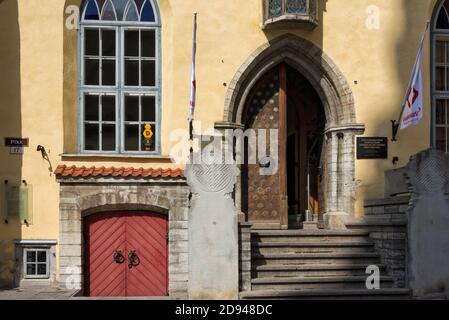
{"points": [[339, 107], [117, 201], [311, 62], [79, 200]]}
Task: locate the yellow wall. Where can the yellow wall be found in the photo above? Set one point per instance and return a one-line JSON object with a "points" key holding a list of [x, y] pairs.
{"points": [[38, 95]]}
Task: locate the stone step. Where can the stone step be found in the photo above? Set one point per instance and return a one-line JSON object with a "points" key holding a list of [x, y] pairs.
{"points": [[321, 283], [314, 233], [276, 271], [368, 258], [313, 247], [299, 236], [348, 294]]}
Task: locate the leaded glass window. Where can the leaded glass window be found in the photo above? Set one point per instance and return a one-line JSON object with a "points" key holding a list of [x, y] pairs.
{"points": [[297, 6], [120, 82], [276, 8]]}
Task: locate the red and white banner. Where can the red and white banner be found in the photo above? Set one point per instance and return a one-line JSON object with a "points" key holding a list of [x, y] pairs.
{"points": [[413, 107], [193, 75]]}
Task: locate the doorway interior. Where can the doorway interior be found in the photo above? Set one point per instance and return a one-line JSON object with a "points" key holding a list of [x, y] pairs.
{"points": [[305, 135], [284, 99]]}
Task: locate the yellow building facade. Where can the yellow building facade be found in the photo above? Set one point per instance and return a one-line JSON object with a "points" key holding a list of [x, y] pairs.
{"points": [[373, 44]]}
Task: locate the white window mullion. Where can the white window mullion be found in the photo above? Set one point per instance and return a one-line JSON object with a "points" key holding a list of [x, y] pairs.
{"points": [[120, 80], [100, 122]]}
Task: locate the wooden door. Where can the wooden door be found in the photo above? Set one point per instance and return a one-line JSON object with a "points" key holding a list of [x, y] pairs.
{"points": [[126, 254], [266, 197]]}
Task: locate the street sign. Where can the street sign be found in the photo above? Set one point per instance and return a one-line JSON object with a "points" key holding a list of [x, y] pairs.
{"points": [[16, 142]]}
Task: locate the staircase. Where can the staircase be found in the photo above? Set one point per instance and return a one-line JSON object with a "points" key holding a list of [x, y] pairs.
{"points": [[321, 264]]}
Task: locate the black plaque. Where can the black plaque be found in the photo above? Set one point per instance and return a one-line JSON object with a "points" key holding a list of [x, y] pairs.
{"points": [[16, 142], [372, 148]]}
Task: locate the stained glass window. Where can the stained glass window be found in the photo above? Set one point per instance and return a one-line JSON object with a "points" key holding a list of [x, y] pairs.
{"points": [[297, 6], [120, 85], [443, 18], [119, 10], [277, 8]]}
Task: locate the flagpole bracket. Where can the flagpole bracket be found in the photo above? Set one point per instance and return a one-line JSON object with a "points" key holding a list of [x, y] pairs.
{"points": [[394, 130]]}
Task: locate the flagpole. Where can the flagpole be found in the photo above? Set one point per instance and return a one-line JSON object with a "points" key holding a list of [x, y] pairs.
{"points": [[193, 84], [396, 123]]}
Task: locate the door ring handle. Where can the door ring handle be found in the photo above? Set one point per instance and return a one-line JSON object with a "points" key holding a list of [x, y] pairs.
{"points": [[118, 257], [134, 259]]}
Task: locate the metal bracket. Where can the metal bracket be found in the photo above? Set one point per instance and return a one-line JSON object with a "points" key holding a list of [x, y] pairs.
{"points": [[394, 130]]}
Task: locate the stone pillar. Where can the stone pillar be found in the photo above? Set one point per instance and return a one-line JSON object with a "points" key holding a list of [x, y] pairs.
{"points": [[213, 232], [428, 215], [346, 194], [334, 219]]}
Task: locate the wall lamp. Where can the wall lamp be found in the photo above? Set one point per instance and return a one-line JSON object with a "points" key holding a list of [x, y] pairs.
{"points": [[45, 156]]}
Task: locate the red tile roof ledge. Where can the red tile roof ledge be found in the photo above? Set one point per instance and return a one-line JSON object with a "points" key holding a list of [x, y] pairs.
{"points": [[64, 171]]}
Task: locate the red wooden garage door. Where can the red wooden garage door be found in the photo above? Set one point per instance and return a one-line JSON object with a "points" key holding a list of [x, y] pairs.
{"points": [[126, 254]]}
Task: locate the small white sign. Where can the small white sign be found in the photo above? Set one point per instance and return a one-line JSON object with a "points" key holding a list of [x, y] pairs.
{"points": [[16, 150]]}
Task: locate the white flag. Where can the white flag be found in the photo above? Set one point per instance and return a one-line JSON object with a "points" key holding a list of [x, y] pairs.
{"points": [[413, 107], [193, 75]]}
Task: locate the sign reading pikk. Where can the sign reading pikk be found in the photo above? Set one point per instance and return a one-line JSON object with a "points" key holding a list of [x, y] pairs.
{"points": [[16, 142]]}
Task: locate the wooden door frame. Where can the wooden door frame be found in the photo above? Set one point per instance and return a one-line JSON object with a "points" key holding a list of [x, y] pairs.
{"points": [[283, 145]]}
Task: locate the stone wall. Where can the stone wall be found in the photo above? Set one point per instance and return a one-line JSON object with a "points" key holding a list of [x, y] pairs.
{"points": [[386, 220], [392, 247], [428, 246], [78, 199], [245, 256]]}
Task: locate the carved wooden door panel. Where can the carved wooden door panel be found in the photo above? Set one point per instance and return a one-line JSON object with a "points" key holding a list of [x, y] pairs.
{"points": [[266, 202]]}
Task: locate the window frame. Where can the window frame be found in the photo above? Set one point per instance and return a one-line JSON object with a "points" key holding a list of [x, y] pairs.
{"points": [[25, 263], [435, 36], [120, 89]]}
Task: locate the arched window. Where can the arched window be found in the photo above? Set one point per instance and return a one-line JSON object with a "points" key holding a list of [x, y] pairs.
{"points": [[440, 83], [119, 77]]}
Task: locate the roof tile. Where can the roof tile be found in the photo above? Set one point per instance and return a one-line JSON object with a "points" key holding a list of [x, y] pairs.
{"points": [[84, 172]]}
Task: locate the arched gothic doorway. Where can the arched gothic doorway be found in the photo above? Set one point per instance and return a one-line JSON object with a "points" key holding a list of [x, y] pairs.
{"points": [[315, 83], [300, 131]]}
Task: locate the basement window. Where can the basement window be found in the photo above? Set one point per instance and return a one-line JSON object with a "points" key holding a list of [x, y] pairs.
{"points": [[36, 263]]}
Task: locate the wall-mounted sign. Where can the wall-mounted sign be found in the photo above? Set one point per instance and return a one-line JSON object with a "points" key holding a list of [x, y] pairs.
{"points": [[148, 135], [17, 200], [16, 145], [16, 150], [372, 148], [16, 142]]}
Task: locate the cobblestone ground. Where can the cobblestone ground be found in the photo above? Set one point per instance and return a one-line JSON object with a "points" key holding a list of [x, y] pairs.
{"points": [[57, 294], [36, 294]]}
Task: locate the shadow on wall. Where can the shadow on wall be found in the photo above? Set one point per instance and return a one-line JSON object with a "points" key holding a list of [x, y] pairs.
{"points": [[415, 14], [10, 126], [70, 72]]}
